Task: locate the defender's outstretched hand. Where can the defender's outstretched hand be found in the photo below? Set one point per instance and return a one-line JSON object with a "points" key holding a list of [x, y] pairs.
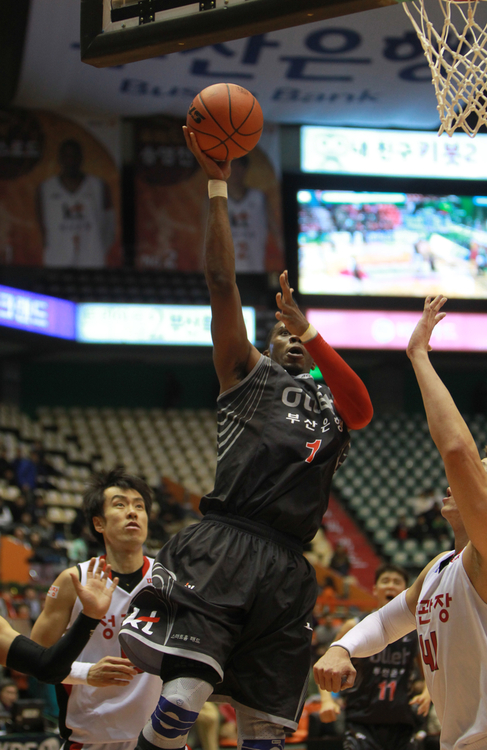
{"points": [[420, 337], [289, 313], [334, 671], [95, 595], [214, 170]]}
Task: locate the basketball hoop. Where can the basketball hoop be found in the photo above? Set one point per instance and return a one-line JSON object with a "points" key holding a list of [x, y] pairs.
{"points": [[457, 59]]}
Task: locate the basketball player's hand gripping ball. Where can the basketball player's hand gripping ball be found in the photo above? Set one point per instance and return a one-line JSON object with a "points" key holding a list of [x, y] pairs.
{"points": [[227, 120]]}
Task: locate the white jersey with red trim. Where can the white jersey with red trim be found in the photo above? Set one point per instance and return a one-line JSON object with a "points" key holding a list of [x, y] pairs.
{"points": [[248, 222], [109, 714], [74, 223], [451, 621]]}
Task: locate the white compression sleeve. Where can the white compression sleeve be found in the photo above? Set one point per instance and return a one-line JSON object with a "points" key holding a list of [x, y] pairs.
{"points": [[380, 628]]}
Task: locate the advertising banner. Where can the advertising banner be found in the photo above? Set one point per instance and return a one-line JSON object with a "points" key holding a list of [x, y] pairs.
{"points": [[365, 69], [172, 200], [59, 193]]}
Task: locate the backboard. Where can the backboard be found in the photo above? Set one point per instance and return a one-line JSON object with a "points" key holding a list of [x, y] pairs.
{"points": [[115, 32]]}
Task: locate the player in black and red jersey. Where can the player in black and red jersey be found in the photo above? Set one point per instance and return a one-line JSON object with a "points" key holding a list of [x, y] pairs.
{"points": [[379, 710], [230, 608]]}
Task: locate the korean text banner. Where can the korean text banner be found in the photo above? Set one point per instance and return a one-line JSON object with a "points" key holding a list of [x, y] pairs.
{"points": [[365, 69], [393, 153], [382, 329], [37, 313], [115, 323]]}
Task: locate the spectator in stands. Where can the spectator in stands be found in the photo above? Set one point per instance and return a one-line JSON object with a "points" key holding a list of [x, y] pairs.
{"points": [[324, 634], [9, 694], [423, 502], [26, 471], [7, 602], [77, 548], [45, 553], [6, 517], [402, 530], [157, 532], [340, 560], [39, 510], [320, 550], [19, 533], [421, 529], [6, 471], [18, 507], [33, 602], [172, 513], [25, 522]]}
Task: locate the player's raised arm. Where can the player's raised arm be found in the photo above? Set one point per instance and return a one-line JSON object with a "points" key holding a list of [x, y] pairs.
{"points": [[234, 356], [53, 664], [351, 397], [464, 469]]}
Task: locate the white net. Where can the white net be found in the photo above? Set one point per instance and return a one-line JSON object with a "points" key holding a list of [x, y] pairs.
{"points": [[454, 47]]}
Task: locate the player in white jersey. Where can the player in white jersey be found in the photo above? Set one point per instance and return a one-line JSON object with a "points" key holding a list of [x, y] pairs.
{"points": [[75, 213], [447, 604], [105, 701], [251, 220]]}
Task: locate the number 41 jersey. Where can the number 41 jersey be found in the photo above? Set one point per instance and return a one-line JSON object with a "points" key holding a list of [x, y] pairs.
{"points": [[451, 620], [280, 440]]}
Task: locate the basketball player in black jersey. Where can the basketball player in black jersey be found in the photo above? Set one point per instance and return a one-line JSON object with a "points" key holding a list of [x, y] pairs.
{"points": [[229, 612], [378, 709]]}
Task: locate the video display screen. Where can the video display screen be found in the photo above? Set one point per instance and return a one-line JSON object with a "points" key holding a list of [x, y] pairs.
{"points": [[392, 244]]}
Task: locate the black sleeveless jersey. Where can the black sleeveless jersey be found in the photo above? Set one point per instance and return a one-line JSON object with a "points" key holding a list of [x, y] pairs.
{"points": [[381, 693], [280, 441]]}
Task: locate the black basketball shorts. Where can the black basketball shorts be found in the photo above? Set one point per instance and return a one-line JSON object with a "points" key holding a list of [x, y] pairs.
{"points": [[379, 737], [237, 596]]}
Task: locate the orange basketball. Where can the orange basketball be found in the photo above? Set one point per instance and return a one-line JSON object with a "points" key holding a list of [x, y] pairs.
{"points": [[227, 120]]}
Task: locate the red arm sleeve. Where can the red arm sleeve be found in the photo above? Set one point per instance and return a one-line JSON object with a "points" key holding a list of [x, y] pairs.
{"points": [[351, 397]]}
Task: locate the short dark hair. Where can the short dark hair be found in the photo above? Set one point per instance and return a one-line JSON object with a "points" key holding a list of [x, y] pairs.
{"points": [[94, 495], [270, 333], [391, 568]]}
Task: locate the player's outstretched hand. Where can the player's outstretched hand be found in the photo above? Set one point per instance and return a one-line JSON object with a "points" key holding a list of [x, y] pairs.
{"points": [[420, 337], [334, 671], [95, 595], [423, 702], [289, 313], [111, 670], [329, 710], [214, 170]]}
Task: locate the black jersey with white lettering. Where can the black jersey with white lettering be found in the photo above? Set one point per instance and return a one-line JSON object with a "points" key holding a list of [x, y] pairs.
{"points": [[381, 693], [280, 441]]}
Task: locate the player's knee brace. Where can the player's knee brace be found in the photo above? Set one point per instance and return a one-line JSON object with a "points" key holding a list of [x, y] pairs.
{"points": [[257, 734], [177, 710]]}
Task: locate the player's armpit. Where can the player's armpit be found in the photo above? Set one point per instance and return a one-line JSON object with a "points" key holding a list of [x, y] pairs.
{"points": [[54, 618]]}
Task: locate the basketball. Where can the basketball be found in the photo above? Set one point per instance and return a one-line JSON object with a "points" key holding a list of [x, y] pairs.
{"points": [[227, 120]]}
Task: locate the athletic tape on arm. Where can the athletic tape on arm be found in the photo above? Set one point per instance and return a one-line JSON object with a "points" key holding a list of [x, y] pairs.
{"points": [[380, 628]]}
